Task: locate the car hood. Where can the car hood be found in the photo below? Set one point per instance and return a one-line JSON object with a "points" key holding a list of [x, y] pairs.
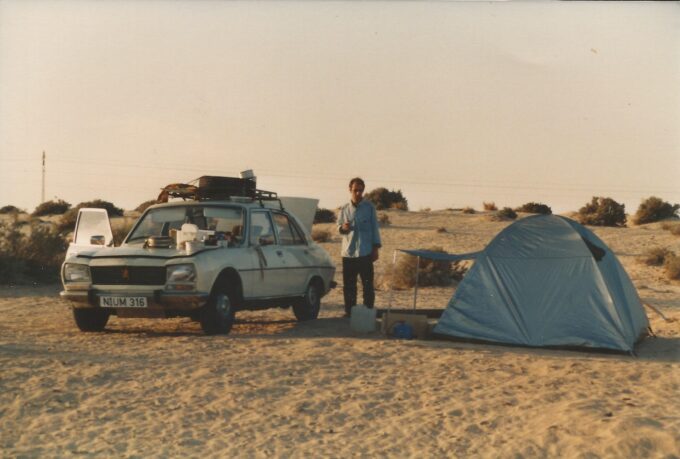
{"points": [[138, 252]]}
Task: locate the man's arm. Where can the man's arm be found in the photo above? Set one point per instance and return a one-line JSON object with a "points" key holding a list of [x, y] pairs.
{"points": [[343, 224], [376, 236]]}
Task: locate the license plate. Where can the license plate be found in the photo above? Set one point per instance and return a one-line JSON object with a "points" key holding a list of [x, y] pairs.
{"points": [[123, 301]]}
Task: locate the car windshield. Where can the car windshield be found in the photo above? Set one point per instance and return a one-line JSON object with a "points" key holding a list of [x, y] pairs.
{"points": [[225, 221]]}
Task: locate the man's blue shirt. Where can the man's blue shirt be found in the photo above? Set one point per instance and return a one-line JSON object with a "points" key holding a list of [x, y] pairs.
{"points": [[363, 229]]}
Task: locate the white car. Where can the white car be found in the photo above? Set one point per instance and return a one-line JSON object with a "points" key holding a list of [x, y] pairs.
{"points": [[200, 259]]}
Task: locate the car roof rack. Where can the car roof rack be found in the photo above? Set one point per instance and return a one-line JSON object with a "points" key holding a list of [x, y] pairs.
{"points": [[213, 188]]}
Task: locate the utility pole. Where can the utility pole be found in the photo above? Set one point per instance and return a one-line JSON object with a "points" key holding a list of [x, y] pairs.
{"points": [[43, 178]]}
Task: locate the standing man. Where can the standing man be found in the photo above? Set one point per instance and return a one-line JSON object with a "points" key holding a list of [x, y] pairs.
{"points": [[358, 224]]}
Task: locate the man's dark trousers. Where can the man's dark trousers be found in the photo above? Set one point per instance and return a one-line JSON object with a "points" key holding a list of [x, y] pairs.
{"points": [[363, 267]]}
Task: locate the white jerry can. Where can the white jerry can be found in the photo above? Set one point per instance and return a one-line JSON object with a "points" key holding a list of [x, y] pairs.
{"points": [[362, 319]]}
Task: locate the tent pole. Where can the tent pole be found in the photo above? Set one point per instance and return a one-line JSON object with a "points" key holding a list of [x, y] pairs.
{"points": [[415, 291]]}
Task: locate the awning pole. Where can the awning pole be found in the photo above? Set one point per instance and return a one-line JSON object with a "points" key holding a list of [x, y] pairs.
{"points": [[415, 291]]}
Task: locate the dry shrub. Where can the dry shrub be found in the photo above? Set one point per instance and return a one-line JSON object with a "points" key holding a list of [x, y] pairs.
{"points": [[67, 222], [602, 212], [36, 255], [673, 227], [145, 205], [468, 210], [402, 275], [506, 213], [324, 216], [672, 266], [441, 229], [655, 256], [10, 210], [654, 209], [426, 209], [120, 231], [490, 206], [383, 219], [382, 198], [57, 207], [534, 208], [320, 235]]}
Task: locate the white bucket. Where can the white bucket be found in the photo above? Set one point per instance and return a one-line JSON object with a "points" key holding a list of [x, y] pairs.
{"points": [[362, 319]]}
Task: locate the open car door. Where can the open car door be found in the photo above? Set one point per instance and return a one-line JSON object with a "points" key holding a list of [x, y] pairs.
{"points": [[93, 230]]}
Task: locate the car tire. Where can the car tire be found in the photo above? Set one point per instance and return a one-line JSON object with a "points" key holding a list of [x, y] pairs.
{"points": [[308, 308], [217, 317], [91, 319]]}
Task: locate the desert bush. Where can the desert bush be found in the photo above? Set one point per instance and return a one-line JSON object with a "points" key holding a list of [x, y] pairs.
{"points": [[534, 208], [324, 216], [656, 256], [145, 205], [441, 229], [490, 206], [672, 266], [654, 209], [120, 231], [431, 273], [37, 255], [57, 207], [468, 210], [67, 222], [111, 209], [10, 210], [506, 213], [602, 212], [383, 219], [320, 235], [675, 230], [382, 198]]}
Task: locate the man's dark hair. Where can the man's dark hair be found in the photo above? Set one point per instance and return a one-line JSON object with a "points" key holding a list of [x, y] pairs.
{"points": [[358, 181]]}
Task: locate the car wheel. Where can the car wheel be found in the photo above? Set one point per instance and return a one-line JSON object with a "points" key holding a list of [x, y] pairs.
{"points": [[91, 320], [217, 317], [308, 307]]}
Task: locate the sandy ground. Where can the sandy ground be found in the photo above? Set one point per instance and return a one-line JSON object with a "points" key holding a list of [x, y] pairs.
{"points": [[278, 388]]}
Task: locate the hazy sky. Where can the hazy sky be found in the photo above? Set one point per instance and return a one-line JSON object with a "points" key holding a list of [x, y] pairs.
{"points": [[454, 103]]}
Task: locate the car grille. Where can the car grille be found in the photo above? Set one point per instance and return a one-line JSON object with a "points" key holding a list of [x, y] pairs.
{"points": [[128, 275]]}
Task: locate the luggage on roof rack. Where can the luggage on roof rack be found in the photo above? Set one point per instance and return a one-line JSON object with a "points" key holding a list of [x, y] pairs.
{"points": [[212, 187], [216, 188]]}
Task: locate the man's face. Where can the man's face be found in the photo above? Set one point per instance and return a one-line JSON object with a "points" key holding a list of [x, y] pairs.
{"points": [[357, 192]]}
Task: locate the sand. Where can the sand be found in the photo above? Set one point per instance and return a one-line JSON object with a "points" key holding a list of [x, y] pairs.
{"points": [[278, 388]]}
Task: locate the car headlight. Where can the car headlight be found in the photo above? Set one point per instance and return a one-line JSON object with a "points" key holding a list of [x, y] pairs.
{"points": [[76, 273], [181, 274]]}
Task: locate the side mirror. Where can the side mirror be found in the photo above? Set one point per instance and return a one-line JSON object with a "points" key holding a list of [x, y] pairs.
{"points": [[97, 240]]}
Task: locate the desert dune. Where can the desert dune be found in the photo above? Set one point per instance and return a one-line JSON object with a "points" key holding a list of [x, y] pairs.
{"points": [[278, 388]]}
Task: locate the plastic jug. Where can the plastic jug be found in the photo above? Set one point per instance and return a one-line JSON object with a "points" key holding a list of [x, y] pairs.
{"points": [[362, 319], [188, 232]]}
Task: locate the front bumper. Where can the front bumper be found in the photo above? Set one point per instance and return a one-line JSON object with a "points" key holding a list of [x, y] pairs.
{"points": [[156, 299]]}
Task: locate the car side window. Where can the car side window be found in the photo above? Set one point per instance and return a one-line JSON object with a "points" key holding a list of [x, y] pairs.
{"points": [[261, 229], [286, 236], [297, 234]]}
